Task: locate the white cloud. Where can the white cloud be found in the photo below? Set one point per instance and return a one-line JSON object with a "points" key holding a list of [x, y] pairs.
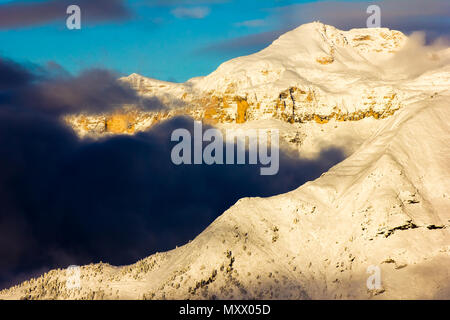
{"points": [[251, 23], [191, 13]]}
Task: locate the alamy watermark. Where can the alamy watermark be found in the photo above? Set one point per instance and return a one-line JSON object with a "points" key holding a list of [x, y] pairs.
{"points": [[259, 142], [374, 280], [73, 276], [374, 20], [74, 20]]}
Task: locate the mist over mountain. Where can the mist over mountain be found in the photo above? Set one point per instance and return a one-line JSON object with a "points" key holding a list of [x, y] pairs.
{"points": [[118, 199]]}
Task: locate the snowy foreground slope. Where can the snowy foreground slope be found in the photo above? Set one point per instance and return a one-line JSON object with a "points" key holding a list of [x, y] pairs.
{"points": [[387, 205], [383, 100]]}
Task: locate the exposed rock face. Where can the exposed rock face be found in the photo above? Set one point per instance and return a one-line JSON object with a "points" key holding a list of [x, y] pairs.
{"points": [[313, 73], [119, 123], [387, 205], [242, 108], [215, 110]]}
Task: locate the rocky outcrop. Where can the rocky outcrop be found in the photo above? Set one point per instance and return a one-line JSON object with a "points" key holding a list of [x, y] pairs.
{"points": [[313, 73], [293, 105]]}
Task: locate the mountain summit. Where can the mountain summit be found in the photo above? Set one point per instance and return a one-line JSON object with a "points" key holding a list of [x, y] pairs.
{"points": [[383, 214], [312, 73]]}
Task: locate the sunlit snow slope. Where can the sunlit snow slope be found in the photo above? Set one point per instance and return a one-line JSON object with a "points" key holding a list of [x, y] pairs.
{"points": [[387, 205]]}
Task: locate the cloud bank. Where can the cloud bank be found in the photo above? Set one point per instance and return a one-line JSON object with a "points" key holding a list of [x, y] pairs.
{"points": [[53, 90]]}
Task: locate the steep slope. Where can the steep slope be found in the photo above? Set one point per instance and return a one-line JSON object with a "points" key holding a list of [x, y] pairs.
{"points": [[387, 205]]}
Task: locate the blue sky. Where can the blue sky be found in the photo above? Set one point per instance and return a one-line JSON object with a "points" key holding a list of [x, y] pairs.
{"points": [[176, 40]]}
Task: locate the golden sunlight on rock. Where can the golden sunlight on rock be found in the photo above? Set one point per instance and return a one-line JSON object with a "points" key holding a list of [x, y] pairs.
{"points": [[119, 123], [242, 107]]}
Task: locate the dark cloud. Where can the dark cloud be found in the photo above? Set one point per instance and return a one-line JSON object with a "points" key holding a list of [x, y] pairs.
{"points": [[54, 90], [69, 201], [13, 75], [22, 14]]}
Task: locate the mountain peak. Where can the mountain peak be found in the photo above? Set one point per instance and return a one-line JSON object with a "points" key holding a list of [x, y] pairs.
{"points": [[315, 72], [326, 37], [301, 56]]}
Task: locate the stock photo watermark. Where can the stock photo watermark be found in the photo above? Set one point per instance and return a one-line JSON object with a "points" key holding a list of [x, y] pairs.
{"points": [[73, 21], [374, 280], [374, 20], [73, 276], [259, 143]]}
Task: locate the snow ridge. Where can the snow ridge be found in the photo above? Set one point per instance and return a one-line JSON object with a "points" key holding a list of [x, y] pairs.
{"points": [[387, 205]]}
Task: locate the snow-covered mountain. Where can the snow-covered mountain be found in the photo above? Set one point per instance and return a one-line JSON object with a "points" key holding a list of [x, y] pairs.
{"points": [[315, 72], [374, 92]]}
